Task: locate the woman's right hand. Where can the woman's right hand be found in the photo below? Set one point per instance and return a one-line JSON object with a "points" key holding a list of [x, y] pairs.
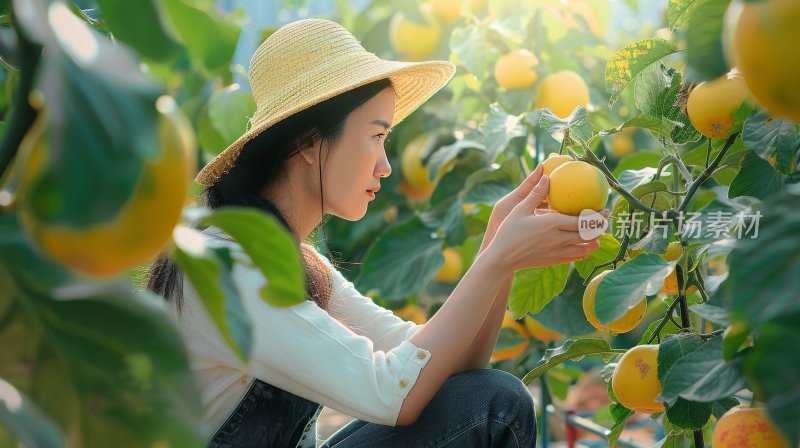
{"points": [[531, 237]]}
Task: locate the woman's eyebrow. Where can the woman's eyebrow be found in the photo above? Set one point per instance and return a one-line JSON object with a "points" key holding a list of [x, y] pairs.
{"points": [[381, 123]]}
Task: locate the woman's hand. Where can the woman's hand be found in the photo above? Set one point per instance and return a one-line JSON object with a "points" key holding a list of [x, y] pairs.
{"points": [[503, 207], [530, 237]]}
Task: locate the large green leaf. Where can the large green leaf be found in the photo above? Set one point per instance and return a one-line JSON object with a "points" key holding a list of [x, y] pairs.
{"points": [[774, 139], [500, 128], [271, 248], [570, 349], [763, 270], [228, 111], [100, 119], [492, 183], [626, 286], [564, 313], [138, 24], [679, 11], [99, 359], [704, 53], [630, 60], [534, 288], [210, 38], [469, 44], [209, 271], [402, 261], [702, 375], [656, 94], [609, 247]]}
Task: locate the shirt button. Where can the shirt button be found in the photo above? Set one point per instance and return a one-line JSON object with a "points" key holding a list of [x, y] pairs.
{"points": [[403, 383], [421, 354]]}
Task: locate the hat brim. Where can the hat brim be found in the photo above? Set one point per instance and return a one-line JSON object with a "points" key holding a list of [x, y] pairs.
{"points": [[413, 82]]}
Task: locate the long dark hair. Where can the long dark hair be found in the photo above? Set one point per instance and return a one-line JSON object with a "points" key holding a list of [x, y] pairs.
{"points": [[261, 163]]}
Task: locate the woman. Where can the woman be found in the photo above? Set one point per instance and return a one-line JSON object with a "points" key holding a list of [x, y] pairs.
{"points": [[315, 147]]}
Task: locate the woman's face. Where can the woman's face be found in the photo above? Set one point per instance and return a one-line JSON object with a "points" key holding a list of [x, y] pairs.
{"points": [[357, 161]]}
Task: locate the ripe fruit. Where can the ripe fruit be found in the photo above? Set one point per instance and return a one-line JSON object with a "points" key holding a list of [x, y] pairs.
{"points": [[540, 332], [576, 186], [674, 251], [413, 313], [415, 193], [562, 92], [414, 172], [765, 42], [745, 427], [553, 161], [143, 227], [415, 40], [452, 267], [635, 380], [516, 70], [624, 324], [450, 10], [621, 145], [711, 104], [512, 341]]}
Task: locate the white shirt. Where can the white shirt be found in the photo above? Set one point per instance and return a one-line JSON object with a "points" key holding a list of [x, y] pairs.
{"points": [[362, 366]]}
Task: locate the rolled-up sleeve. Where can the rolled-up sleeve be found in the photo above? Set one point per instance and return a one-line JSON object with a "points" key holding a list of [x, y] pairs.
{"points": [[305, 351], [365, 317]]}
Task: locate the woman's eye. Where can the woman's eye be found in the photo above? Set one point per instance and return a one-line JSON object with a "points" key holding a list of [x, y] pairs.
{"points": [[379, 136]]}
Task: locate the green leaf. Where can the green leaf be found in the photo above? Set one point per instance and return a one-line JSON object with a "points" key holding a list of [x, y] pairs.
{"points": [[447, 217], [620, 415], [492, 183], [673, 440], [637, 160], [667, 329], [500, 128], [630, 60], [704, 55], [763, 270], [139, 24], [402, 260], [209, 271], [576, 122], [773, 374], [674, 347], [609, 247], [229, 110], [570, 349], [724, 405], [469, 44], [26, 422], [626, 286], [757, 178], [210, 38], [534, 288], [101, 122], [564, 313], [774, 139], [109, 360], [679, 11], [271, 248], [702, 375], [656, 95], [689, 415]]}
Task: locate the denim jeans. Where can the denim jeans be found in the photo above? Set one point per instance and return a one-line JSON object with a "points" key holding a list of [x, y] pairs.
{"points": [[477, 408], [266, 417]]}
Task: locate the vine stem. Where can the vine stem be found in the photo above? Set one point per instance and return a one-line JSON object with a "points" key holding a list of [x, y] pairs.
{"points": [[686, 324], [663, 322], [707, 172]]}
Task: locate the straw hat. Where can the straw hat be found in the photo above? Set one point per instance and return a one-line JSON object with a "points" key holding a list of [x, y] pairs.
{"points": [[309, 61]]}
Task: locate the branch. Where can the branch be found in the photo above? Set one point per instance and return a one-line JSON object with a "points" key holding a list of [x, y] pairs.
{"points": [[663, 322], [707, 172], [591, 158]]}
